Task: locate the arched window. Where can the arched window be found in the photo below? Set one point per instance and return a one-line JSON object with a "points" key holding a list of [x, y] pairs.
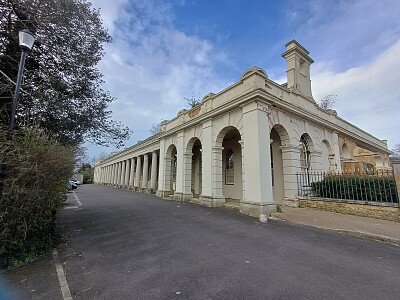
{"points": [[304, 154], [229, 167]]}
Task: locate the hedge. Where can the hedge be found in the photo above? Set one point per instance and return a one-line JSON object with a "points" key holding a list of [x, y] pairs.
{"points": [[374, 189], [35, 170]]}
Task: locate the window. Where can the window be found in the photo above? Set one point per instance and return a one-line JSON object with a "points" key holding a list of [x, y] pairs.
{"points": [[229, 167], [304, 154], [272, 165]]}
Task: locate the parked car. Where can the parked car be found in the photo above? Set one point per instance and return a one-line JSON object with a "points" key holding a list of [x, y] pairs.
{"points": [[76, 181], [71, 185]]}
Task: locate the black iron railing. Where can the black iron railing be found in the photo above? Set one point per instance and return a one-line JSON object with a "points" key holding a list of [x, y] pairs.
{"points": [[379, 186]]}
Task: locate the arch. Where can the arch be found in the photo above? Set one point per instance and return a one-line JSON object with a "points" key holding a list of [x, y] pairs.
{"points": [[345, 152], [228, 143], [170, 167], [306, 147], [278, 132], [192, 141], [283, 134], [222, 135], [327, 156], [193, 167]]}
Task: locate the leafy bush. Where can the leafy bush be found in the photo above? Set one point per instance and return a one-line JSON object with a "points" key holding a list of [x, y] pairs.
{"points": [[35, 170], [377, 189]]}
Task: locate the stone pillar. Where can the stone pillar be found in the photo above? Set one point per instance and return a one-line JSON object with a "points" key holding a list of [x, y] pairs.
{"points": [[187, 176], [153, 180], [145, 171], [119, 164], [206, 198], [138, 171], [161, 189], [180, 149], [109, 175], [316, 161], [113, 175], [127, 168], [132, 173], [336, 151], [217, 176], [258, 197], [291, 169], [122, 178]]}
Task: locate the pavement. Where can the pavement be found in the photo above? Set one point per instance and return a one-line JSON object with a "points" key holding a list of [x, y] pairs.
{"points": [[371, 228], [121, 244]]}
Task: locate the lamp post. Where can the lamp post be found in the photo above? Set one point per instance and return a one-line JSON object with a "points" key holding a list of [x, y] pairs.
{"points": [[26, 40]]}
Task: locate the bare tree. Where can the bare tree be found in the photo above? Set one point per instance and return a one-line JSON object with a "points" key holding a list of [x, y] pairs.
{"points": [[155, 128], [396, 151], [328, 101], [193, 101]]}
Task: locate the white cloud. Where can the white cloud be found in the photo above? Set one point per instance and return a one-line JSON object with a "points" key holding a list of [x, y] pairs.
{"points": [[151, 66], [369, 95]]}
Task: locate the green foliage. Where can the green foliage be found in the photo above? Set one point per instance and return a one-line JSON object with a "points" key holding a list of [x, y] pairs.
{"points": [[376, 189], [88, 173], [36, 170], [62, 89]]}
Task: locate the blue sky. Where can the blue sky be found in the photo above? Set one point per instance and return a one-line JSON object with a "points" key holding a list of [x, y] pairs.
{"points": [[164, 51]]}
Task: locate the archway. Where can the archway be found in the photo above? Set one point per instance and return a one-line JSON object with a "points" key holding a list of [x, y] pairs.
{"points": [[195, 168], [170, 168], [231, 167], [328, 157], [277, 166]]}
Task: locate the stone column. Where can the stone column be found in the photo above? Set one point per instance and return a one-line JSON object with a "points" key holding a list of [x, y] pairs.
{"points": [[336, 151], [122, 178], [291, 167], [127, 168], [217, 176], [138, 171], [180, 149], [187, 194], [119, 173], [161, 189], [113, 175], [206, 197], [153, 180], [109, 174], [132, 173], [145, 171], [258, 197], [316, 161]]}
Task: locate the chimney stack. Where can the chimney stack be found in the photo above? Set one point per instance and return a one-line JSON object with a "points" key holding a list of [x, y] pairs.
{"points": [[298, 69]]}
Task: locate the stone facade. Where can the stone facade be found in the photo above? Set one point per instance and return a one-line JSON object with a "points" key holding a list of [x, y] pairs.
{"points": [[245, 143], [363, 210]]}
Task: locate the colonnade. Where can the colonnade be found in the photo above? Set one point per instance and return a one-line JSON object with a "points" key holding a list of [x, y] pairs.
{"points": [[137, 173]]}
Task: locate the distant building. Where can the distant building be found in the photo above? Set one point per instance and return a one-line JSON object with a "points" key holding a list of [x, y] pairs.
{"points": [[246, 143]]}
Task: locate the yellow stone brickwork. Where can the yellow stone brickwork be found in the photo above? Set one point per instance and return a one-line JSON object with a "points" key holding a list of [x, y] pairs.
{"points": [[397, 178], [372, 211]]}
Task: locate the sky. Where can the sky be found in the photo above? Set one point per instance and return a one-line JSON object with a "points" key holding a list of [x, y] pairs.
{"points": [[165, 51]]}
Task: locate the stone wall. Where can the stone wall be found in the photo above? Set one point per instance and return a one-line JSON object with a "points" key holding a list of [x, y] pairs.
{"points": [[363, 210]]}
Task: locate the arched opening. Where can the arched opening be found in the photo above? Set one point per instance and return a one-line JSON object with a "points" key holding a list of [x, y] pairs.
{"points": [[232, 185], [345, 152], [328, 158], [276, 166], [306, 147], [194, 147], [170, 168]]}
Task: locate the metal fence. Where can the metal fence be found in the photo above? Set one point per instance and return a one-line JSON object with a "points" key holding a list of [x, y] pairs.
{"points": [[377, 187]]}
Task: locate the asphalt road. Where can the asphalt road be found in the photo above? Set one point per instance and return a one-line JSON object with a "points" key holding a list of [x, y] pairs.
{"points": [[127, 245]]}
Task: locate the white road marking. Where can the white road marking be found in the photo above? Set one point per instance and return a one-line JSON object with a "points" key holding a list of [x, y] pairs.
{"points": [[66, 293], [77, 200]]}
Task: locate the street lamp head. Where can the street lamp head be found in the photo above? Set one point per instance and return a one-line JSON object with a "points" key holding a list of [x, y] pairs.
{"points": [[26, 40]]}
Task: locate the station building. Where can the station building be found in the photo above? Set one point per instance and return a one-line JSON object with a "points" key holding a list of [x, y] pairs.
{"points": [[246, 143]]}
